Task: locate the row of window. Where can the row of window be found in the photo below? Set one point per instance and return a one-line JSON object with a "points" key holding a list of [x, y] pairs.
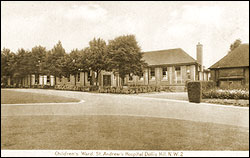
{"points": [[60, 79], [165, 73], [78, 77], [37, 79]]}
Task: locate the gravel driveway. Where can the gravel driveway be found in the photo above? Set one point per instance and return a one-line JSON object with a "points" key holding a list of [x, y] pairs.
{"points": [[134, 105]]}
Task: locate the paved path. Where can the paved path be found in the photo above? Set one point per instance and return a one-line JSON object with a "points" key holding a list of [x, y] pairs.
{"points": [[166, 95], [119, 104]]}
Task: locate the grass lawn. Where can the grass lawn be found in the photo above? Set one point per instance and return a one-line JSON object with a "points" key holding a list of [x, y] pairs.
{"points": [[15, 97], [240, 102], [118, 133]]}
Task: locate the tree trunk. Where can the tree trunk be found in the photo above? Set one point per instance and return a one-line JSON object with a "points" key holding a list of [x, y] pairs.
{"points": [[55, 80], [30, 81], [91, 79], [148, 76], [122, 81], [97, 78], [84, 79], [75, 79]]}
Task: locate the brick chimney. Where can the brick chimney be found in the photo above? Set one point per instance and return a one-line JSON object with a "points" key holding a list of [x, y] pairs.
{"points": [[199, 55]]}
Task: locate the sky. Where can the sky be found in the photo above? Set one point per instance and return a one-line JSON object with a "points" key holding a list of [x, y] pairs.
{"points": [[157, 25]]}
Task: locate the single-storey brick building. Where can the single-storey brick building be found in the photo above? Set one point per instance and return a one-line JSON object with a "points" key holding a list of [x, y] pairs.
{"points": [[232, 71], [168, 68], [171, 68]]}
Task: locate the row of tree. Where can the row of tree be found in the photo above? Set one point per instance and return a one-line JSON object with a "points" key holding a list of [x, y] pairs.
{"points": [[121, 55]]}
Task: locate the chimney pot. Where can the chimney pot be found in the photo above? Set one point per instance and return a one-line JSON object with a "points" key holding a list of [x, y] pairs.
{"points": [[199, 55]]}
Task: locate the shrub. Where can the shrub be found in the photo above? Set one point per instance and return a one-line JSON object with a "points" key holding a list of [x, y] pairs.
{"points": [[194, 91], [94, 88], [207, 85], [226, 94]]}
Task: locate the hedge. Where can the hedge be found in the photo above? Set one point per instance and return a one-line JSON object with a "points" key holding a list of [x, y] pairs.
{"points": [[194, 91], [130, 89], [77, 88], [198, 90], [226, 94], [207, 85]]}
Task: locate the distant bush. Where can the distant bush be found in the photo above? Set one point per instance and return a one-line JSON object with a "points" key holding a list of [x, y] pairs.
{"points": [[77, 88], [207, 85], [130, 89]]}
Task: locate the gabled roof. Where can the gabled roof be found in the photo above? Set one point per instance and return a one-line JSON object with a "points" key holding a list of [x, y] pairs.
{"points": [[168, 57], [237, 58]]}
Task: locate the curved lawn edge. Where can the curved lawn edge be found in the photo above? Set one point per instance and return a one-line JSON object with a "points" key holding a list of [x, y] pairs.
{"points": [[17, 97], [81, 101]]}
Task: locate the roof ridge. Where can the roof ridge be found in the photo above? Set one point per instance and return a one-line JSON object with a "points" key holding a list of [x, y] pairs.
{"points": [[228, 56], [168, 56], [161, 50]]}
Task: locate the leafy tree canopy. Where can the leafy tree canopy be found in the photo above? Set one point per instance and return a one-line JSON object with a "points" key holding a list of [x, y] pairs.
{"points": [[96, 56], [234, 45], [125, 56]]}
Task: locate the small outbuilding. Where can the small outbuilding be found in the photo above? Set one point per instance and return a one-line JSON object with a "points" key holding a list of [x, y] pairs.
{"points": [[232, 71]]}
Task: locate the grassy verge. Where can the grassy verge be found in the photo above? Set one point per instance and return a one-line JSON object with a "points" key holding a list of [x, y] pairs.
{"points": [[15, 97], [118, 133], [243, 103]]}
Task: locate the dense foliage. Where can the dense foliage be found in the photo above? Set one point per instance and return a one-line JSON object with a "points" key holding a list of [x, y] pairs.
{"points": [[122, 55], [125, 56]]}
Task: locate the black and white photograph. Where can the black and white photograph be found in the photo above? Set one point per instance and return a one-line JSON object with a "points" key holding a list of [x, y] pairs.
{"points": [[124, 78]]}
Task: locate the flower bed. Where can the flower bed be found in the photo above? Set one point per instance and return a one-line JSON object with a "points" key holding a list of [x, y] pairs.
{"points": [[130, 89], [226, 94], [77, 88], [238, 102]]}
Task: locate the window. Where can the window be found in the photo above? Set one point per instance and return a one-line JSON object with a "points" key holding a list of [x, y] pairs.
{"points": [[178, 74], [48, 79], [89, 76], [130, 77], [68, 78], [36, 79], [152, 73], [188, 73], [141, 76], [60, 79], [165, 73], [78, 77]]}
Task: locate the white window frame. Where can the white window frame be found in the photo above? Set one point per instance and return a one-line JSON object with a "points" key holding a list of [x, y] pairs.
{"points": [[152, 77], [165, 77], [141, 78], [78, 77], [176, 76]]}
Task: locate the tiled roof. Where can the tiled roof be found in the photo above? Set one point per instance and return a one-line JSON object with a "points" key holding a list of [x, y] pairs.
{"points": [[167, 57], [237, 58]]}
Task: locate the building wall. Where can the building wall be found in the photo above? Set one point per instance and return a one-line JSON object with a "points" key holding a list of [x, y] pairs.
{"points": [[171, 79], [246, 76], [231, 77], [83, 80]]}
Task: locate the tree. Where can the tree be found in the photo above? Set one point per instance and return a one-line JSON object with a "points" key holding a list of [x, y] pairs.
{"points": [[54, 60], [39, 60], [234, 45], [7, 65], [73, 63], [125, 56], [97, 56], [22, 67]]}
